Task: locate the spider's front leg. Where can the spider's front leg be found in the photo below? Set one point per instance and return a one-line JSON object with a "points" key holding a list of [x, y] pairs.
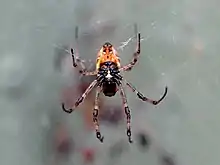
{"points": [[136, 55], [95, 115], [81, 99], [83, 71], [127, 112], [75, 59]]}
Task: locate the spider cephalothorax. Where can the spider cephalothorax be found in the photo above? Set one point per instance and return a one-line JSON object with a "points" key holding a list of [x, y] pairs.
{"points": [[109, 81]]}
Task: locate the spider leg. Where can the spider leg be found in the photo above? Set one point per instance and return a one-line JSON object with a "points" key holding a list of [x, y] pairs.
{"points": [[136, 54], [127, 112], [95, 115], [76, 59], [80, 99], [142, 97], [83, 71]]}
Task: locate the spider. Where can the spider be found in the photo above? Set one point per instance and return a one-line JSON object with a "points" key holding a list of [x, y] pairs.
{"points": [[109, 81]]}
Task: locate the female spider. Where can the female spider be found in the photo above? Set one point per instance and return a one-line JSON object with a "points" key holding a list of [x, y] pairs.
{"points": [[109, 81]]}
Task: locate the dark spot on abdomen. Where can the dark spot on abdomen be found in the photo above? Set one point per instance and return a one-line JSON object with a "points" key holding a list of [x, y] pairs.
{"points": [[109, 88]]}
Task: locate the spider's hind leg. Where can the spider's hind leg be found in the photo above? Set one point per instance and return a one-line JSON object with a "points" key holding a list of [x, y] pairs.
{"points": [[127, 112], [95, 115], [142, 97]]}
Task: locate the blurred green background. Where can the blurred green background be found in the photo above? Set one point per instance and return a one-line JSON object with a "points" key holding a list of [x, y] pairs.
{"points": [[180, 50]]}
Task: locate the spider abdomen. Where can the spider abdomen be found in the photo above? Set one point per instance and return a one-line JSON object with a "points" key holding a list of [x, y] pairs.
{"points": [[109, 88]]}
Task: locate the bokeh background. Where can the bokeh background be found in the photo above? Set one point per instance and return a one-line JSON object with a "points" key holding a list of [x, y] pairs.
{"points": [[180, 50]]}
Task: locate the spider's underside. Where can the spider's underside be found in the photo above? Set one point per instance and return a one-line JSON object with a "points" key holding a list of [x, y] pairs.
{"points": [[109, 81]]}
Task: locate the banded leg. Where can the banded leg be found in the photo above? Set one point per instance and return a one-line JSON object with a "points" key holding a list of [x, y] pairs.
{"points": [[127, 112], [142, 97], [80, 99], [95, 115], [83, 71], [136, 55]]}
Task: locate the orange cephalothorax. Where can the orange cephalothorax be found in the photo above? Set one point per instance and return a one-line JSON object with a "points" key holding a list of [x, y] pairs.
{"points": [[107, 53]]}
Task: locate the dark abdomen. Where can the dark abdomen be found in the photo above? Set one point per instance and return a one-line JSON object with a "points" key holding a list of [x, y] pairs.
{"points": [[109, 88]]}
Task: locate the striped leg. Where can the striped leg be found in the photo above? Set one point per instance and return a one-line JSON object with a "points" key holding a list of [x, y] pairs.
{"points": [[81, 99], [127, 112], [142, 97], [95, 115], [83, 71], [136, 55]]}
